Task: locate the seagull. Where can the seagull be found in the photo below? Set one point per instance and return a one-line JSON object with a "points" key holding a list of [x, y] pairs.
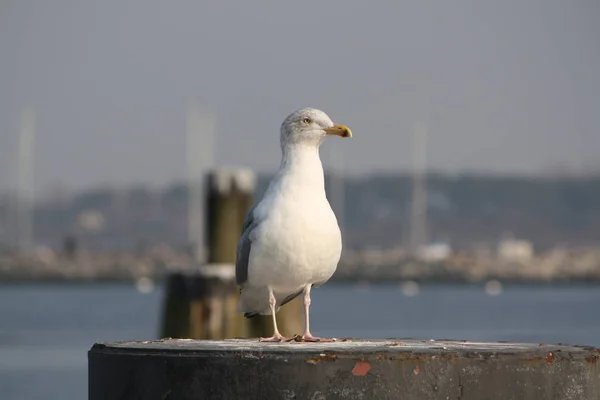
{"points": [[290, 239]]}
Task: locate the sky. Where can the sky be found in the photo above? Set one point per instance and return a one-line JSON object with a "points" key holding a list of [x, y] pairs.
{"points": [[503, 86]]}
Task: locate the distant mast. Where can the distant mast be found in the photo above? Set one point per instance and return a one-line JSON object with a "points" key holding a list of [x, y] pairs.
{"points": [[200, 126], [338, 187], [25, 183], [418, 222]]}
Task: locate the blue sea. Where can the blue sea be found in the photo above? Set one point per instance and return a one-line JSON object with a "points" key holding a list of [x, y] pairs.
{"points": [[47, 329]]}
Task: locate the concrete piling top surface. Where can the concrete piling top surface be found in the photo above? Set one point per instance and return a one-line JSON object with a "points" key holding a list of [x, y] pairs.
{"points": [[352, 346], [185, 369]]}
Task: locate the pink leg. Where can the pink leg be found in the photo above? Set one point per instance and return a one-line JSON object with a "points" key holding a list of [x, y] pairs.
{"points": [[277, 337], [307, 337]]}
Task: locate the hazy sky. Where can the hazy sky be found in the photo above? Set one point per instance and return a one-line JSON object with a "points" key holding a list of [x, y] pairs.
{"points": [[514, 86]]}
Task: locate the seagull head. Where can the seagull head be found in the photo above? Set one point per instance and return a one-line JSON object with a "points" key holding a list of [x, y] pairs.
{"points": [[309, 126]]}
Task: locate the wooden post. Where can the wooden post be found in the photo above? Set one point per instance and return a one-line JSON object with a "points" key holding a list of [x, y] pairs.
{"points": [[201, 304], [196, 302], [230, 196], [352, 369]]}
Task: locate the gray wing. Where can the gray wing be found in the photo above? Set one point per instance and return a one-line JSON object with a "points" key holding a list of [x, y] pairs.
{"points": [[291, 297], [243, 249]]}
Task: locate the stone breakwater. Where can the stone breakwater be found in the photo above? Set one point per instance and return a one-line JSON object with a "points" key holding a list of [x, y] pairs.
{"points": [[549, 267]]}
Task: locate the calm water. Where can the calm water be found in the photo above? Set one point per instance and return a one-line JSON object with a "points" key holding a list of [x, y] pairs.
{"points": [[46, 330]]}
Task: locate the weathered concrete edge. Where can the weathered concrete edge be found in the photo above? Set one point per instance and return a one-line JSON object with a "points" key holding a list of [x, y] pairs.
{"points": [[388, 349]]}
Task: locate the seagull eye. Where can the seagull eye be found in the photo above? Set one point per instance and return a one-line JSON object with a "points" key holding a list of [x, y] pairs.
{"points": [[307, 120]]}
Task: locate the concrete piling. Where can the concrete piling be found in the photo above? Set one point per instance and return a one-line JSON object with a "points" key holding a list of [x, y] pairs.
{"points": [[348, 369]]}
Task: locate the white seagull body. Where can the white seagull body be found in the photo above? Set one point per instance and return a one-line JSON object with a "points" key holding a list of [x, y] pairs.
{"points": [[291, 239]]}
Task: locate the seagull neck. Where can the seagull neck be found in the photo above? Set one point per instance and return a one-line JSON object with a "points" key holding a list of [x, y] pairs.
{"points": [[303, 161]]}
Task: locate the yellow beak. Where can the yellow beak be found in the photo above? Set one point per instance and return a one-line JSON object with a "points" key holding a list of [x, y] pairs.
{"points": [[339, 130]]}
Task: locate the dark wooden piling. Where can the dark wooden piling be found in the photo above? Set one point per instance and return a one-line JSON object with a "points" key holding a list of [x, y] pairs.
{"points": [[230, 194], [351, 369], [201, 303], [198, 303]]}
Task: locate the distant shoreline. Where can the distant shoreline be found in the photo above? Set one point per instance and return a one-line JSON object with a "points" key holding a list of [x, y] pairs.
{"points": [[336, 281], [572, 267]]}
